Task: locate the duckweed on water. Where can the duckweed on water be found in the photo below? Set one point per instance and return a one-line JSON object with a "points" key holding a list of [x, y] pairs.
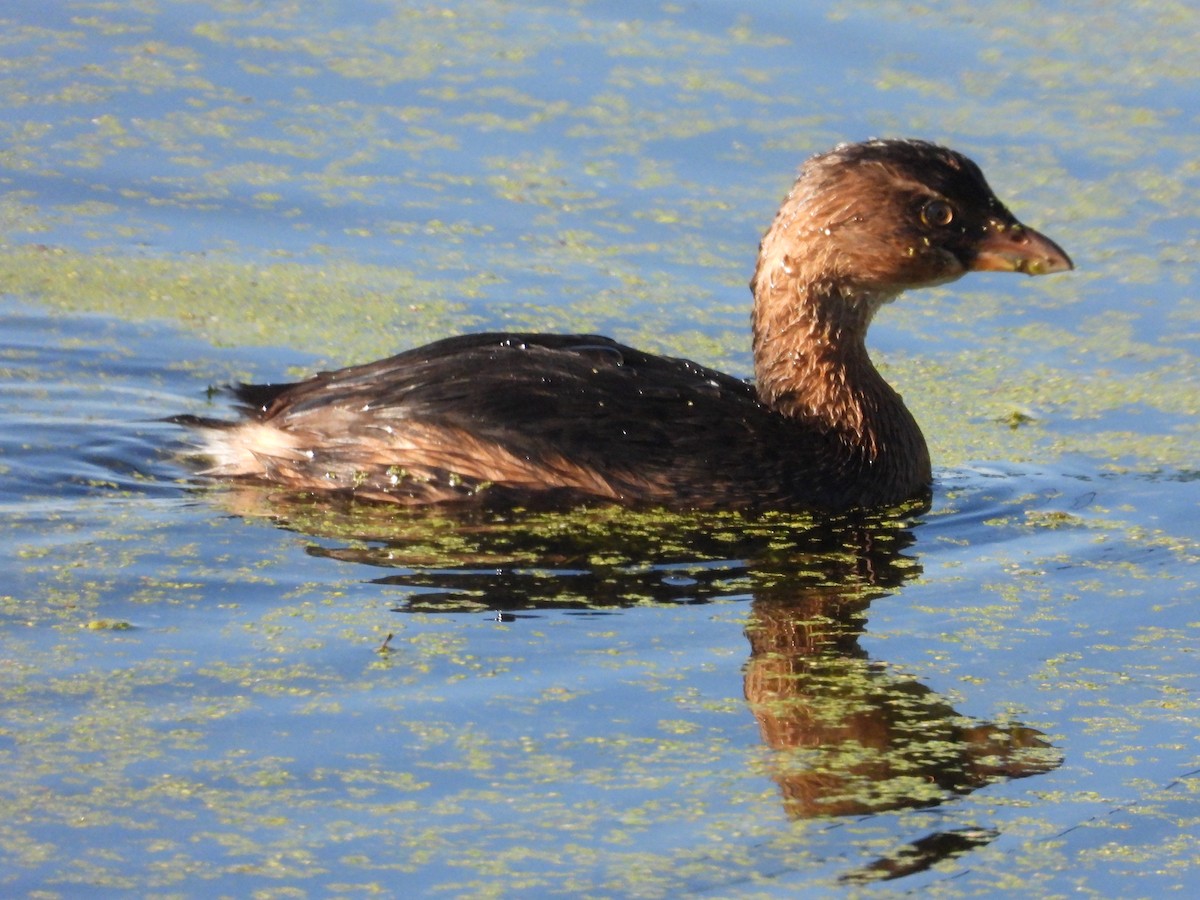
{"points": [[537, 233], [300, 305], [403, 174]]}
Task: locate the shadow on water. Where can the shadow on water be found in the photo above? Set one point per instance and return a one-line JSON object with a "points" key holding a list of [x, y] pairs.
{"points": [[846, 735]]}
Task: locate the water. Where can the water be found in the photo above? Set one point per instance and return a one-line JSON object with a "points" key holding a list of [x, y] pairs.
{"points": [[219, 692]]}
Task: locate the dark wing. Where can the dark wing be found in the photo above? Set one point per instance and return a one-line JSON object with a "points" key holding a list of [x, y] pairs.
{"points": [[580, 413]]}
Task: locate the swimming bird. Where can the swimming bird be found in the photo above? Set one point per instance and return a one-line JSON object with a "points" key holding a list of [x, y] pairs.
{"points": [[524, 417]]}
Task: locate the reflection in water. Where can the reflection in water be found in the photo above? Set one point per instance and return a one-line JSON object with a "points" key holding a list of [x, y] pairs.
{"points": [[853, 737], [847, 735], [921, 854]]}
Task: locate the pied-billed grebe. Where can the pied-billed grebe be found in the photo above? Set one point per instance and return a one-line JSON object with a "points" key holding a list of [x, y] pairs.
{"points": [[574, 417]]}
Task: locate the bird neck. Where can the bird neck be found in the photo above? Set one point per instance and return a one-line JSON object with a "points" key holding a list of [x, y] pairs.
{"points": [[811, 365]]}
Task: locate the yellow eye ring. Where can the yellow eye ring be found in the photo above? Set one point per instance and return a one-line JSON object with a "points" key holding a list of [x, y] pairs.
{"points": [[937, 213]]}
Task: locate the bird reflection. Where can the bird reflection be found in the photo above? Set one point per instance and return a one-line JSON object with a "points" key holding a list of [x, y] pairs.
{"points": [[848, 735], [851, 735]]}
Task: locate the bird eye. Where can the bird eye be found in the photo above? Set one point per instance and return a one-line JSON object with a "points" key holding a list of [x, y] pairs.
{"points": [[937, 213]]}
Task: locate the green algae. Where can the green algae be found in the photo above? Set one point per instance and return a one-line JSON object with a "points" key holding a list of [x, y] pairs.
{"points": [[304, 306], [183, 744], [287, 303], [591, 262], [320, 668]]}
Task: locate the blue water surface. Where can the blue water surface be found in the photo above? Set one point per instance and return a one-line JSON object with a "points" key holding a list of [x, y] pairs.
{"points": [[209, 691]]}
